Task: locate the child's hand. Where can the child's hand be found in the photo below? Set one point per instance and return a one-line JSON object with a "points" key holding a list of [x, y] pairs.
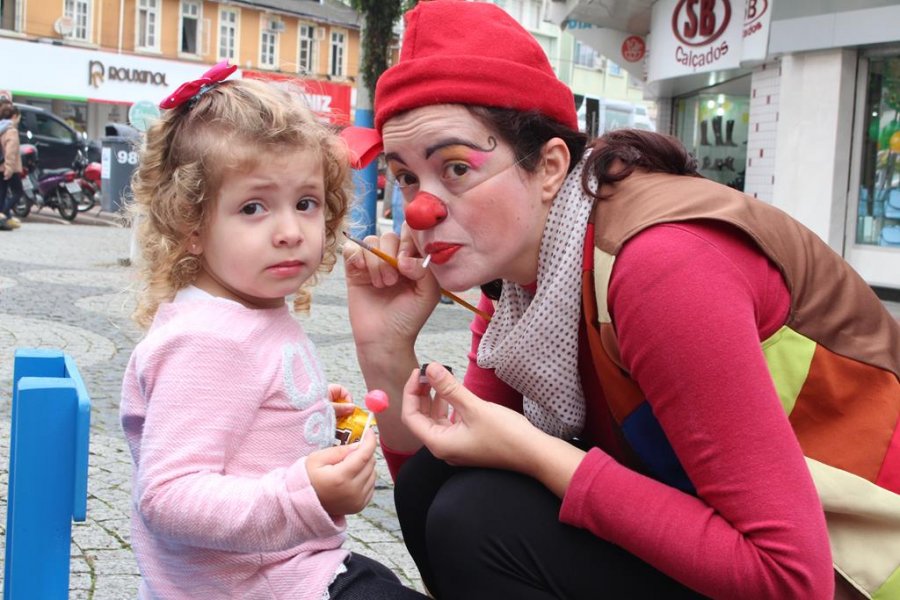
{"points": [[340, 399], [344, 476], [338, 393]]}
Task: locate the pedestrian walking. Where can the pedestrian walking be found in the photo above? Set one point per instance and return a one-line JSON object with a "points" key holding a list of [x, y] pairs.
{"points": [[11, 186]]}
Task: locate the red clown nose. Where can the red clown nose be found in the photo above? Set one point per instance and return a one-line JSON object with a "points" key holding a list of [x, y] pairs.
{"points": [[425, 211]]}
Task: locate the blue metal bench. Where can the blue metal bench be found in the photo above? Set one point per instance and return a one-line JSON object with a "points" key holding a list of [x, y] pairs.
{"points": [[48, 466]]}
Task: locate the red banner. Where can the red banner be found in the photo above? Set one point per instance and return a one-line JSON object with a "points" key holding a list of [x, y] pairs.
{"points": [[331, 101]]}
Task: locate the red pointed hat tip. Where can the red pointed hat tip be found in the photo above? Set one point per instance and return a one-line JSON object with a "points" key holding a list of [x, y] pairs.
{"points": [[425, 211]]}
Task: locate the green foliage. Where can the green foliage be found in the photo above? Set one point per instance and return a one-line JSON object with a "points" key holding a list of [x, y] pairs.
{"points": [[379, 16]]}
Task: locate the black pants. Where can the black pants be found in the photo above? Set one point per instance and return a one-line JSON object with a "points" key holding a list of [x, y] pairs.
{"points": [[367, 579], [10, 192], [482, 533]]}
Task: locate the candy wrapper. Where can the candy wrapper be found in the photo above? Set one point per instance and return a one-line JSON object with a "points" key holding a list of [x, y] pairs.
{"points": [[349, 429]]}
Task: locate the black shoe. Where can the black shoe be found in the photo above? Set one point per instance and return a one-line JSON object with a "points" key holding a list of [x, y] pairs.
{"points": [[4, 226]]}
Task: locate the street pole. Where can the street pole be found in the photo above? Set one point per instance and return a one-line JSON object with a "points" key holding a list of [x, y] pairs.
{"points": [[365, 181]]}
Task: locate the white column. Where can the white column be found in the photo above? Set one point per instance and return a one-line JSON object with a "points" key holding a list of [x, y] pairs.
{"points": [[815, 118]]}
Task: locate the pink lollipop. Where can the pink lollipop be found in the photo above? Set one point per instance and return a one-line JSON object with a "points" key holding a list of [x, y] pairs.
{"points": [[376, 401]]}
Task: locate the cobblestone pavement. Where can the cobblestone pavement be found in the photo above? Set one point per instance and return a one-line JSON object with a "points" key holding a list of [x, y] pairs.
{"points": [[64, 286]]}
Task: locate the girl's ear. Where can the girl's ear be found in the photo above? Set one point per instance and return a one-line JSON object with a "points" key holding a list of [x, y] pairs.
{"points": [[194, 246], [555, 159]]}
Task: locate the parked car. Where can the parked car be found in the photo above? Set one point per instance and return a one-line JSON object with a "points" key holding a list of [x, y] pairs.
{"points": [[596, 116], [56, 140]]}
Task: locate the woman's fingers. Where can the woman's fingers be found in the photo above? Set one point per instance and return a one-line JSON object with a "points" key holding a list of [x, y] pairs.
{"points": [[410, 260], [448, 390], [381, 272], [426, 406]]}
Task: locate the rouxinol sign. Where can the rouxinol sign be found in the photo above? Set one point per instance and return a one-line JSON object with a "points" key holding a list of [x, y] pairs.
{"points": [[98, 73]]}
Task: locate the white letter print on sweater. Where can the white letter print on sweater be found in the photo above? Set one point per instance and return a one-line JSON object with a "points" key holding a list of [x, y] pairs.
{"points": [[304, 383]]}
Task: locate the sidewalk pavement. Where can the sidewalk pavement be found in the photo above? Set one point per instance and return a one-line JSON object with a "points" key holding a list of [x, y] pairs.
{"points": [[63, 286]]}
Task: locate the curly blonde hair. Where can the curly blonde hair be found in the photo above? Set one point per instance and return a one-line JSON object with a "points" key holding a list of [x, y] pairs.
{"points": [[184, 158]]}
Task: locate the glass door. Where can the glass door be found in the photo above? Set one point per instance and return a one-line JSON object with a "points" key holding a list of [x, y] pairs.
{"points": [[714, 128], [873, 225]]}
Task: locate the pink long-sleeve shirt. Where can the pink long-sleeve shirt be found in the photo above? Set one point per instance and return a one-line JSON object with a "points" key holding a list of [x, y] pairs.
{"points": [[220, 406], [691, 303]]}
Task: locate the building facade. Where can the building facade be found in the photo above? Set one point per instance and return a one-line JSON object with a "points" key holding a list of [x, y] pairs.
{"points": [[589, 74], [94, 62], [795, 102]]}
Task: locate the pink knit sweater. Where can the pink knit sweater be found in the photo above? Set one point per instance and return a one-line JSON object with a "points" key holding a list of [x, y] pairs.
{"points": [[220, 406]]}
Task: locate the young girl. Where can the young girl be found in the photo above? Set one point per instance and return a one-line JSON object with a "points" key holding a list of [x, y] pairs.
{"points": [[237, 489]]}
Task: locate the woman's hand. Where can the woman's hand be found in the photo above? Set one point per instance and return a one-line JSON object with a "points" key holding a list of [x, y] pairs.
{"points": [[388, 305], [483, 434], [479, 433]]}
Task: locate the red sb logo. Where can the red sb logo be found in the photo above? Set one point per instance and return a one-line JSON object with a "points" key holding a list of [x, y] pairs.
{"points": [[700, 22], [755, 10]]}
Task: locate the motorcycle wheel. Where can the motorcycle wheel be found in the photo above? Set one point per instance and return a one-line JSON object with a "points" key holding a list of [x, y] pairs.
{"points": [[23, 207], [88, 200], [66, 205]]}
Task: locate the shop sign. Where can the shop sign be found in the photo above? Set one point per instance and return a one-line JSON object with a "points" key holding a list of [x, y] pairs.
{"points": [[633, 48], [98, 73], [73, 72], [627, 50], [693, 36], [331, 101], [757, 16]]}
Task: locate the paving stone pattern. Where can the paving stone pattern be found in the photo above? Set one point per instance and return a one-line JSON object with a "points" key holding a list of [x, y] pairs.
{"points": [[65, 286]]}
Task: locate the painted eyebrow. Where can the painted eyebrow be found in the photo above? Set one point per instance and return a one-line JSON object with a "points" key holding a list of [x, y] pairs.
{"points": [[395, 157], [459, 142], [444, 144]]}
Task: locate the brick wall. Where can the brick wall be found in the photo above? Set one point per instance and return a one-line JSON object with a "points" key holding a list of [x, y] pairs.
{"points": [[764, 87]]}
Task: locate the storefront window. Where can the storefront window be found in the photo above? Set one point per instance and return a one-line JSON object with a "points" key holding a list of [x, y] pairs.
{"points": [[878, 215], [714, 127], [73, 113], [9, 15]]}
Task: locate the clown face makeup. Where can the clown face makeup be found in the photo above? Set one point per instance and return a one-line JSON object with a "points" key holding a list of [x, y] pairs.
{"points": [[468, 204]]}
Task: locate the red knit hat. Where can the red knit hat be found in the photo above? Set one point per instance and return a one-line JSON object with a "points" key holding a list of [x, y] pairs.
{"points": [[457, 52]]}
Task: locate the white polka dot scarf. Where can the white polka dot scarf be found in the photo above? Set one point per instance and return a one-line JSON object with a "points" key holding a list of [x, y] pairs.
{"points": [[532, 343]]}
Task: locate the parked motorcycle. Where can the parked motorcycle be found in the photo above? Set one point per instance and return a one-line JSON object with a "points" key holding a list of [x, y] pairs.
{"points": [[88, 177], [53, 188]]}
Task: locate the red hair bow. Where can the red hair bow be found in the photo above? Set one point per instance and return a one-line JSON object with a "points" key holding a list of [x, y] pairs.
{"points": [[192, 89]]}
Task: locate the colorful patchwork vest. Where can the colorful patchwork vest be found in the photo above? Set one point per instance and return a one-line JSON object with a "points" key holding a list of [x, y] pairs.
{"points": [[835, 364]]}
